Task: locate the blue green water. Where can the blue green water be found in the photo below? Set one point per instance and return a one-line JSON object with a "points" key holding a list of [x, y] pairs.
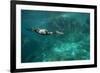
{"points": [[73, 45]]}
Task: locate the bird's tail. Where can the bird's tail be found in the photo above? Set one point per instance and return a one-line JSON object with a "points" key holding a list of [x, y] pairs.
{"points": [[58, 32]]}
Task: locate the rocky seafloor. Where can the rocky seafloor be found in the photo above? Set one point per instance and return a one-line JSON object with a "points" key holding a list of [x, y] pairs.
{"points": [[73, 45]]}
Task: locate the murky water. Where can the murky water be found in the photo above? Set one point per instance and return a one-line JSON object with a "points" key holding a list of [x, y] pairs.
{"points": [[74, 44]]}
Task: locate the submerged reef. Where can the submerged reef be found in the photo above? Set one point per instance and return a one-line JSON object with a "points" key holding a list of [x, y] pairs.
{"points": [[73, 45]]}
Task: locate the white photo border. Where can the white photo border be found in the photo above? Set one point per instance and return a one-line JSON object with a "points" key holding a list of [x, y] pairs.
{"points": [[50, 64]]}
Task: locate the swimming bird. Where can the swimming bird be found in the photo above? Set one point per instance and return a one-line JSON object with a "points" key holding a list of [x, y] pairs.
{"points": [[46, 32]]}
